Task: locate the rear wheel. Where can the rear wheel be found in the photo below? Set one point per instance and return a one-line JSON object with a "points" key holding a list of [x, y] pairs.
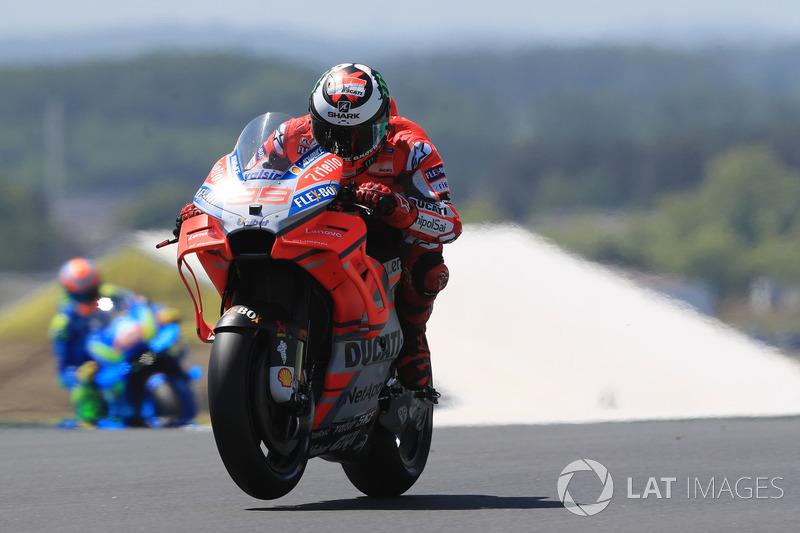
{"points": [[392, 463], [254, 436]]}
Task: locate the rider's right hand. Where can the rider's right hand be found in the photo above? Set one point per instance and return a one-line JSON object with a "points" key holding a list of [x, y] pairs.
{"points": [[188, 211]]}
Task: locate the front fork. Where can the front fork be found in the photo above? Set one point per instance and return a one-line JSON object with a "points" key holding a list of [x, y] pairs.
{"points": [[284, 293], [283, 400], [288, 382]]}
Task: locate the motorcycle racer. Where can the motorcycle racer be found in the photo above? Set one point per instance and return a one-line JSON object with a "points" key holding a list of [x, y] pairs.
{"points": [[399, 175], [76, 318]]}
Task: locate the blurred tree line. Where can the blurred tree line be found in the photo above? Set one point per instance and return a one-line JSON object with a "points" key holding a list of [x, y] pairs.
{"points": [[741, 223], [694, 152]]}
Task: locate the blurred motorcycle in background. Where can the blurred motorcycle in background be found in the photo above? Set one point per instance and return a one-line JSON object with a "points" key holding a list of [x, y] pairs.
{"points": [[136, 368]]}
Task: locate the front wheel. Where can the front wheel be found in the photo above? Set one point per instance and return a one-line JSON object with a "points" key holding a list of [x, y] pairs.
{"points": [[246, 422], [392, 463]]}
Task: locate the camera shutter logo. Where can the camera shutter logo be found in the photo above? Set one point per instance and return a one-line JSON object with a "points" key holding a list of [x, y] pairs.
{"points": [[585, 509]]}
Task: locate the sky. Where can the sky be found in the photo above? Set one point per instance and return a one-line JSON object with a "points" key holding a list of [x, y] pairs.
{"points": [[498, 19]]}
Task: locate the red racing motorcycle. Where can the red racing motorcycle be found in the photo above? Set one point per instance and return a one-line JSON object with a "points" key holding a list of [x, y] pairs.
{"points": [[302, 363]]}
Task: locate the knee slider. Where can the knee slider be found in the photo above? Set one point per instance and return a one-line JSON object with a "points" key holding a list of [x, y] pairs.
{"points": [[430, 274]]}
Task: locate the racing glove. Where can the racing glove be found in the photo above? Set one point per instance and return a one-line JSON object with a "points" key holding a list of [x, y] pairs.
{"points": [[188, 211], [392, 207], [86, 372]]}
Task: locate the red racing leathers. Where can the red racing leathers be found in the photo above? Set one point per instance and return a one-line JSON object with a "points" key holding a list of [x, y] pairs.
{"points": [[423, 220]]}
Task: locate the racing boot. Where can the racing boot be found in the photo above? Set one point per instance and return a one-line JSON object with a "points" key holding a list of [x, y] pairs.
{"points": [[414, 361]]}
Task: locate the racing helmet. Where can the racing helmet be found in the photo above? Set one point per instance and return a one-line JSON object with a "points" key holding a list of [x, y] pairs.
{"points": [[81, 279], [350, 107]]}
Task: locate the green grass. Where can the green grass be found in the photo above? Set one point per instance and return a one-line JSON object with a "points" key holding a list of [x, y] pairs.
{"points": [[30, 317]]}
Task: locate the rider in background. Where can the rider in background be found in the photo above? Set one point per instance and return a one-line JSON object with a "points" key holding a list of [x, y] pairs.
{"points": [[78, 316], [399, 175]]}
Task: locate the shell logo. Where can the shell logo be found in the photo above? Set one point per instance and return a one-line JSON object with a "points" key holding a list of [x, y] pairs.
{"points": [[285, 377]]}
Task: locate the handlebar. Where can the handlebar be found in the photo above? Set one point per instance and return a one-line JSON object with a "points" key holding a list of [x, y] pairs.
{"points": [[346, 201], [166, 242], [347, 194]]}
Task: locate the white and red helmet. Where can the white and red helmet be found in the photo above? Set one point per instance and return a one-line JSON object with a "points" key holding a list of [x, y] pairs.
{"points": [[350, 107]]}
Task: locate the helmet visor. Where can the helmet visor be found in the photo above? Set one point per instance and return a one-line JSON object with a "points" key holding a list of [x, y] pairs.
{"points": [[88, 295], [349, 142]]}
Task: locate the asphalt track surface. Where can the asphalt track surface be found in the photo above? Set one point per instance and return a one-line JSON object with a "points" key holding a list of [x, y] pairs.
{"points": [[478, 479]]}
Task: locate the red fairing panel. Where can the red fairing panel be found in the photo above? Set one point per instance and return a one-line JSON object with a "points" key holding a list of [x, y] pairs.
{"points": [[333, 250]]}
